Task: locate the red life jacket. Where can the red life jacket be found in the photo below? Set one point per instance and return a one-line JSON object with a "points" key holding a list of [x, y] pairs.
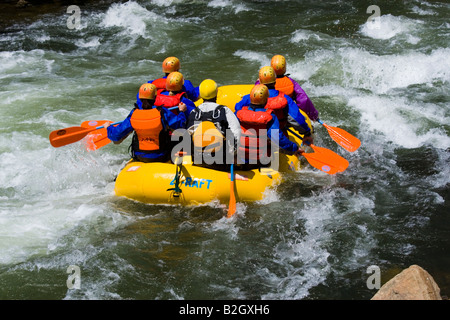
{"points": [[285, 85], [160, 84], [279, 106], [168, 101], [148, 128], [253, 132]]}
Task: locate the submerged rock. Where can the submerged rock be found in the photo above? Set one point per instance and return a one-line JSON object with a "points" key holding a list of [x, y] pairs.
{"points": [[413, 283]]}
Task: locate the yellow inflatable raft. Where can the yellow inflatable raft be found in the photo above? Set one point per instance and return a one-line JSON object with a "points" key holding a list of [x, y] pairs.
{"points": [[186, 183]]}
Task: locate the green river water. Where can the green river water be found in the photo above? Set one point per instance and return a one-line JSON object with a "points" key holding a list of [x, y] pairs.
{"points": [[313, 238]]}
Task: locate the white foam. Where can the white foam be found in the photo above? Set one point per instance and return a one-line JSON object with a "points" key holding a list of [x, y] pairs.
{"points": [[304, 35], [21, 62], [92, 42], [220, 3], [45, 193], [130, 16], [228, 225], [253, 56], [237, 7], [306, 250], [304, 259], [398, 121], [389, 26], [423, 12], [357, 68], [162, 3], [442, 177], [270, 195], [34, 228], [42, 38]]}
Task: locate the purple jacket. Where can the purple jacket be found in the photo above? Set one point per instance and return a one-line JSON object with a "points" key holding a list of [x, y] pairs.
{"points": [[302, 100]]}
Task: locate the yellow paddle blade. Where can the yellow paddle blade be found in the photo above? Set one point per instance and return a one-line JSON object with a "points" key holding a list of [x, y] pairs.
{"points": [[343, 138]]}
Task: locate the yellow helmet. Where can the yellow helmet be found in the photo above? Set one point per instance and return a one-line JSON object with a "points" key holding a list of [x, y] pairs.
{"points": [[171, 64], [267, 75], [278, 63], [208, 89], [259, 94], [147, 91], [174, 81]]}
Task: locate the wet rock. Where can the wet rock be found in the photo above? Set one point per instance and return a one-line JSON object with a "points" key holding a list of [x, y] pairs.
{"points": [[22, 4], [413, 283]]}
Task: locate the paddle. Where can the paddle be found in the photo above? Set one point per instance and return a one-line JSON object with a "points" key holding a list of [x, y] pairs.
{"points": [[232, 205], [324, 159], [342, 137], [62, 137], [97, 138]]}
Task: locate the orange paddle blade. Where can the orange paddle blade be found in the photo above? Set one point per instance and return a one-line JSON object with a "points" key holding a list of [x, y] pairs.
{"points": [[97, 138], [326, 160], [62, 137], [343, 138], [232, 205]]}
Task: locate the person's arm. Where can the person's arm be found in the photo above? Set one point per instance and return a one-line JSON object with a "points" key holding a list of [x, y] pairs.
{"points": [[118, 133], [304, 102], [189, 105], [190, 90], [297, 121], [245, 101], [296, 118], [175, 121], [280, 139]]}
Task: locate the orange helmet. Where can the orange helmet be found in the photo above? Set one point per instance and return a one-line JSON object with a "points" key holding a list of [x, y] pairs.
{"points": [[259, 94], [267, 75], [147, 91], [170, 64], [174, 81], [278, 63]]}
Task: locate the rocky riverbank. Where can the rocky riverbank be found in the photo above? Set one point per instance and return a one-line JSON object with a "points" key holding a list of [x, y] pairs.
{"points": [[413, 283]]}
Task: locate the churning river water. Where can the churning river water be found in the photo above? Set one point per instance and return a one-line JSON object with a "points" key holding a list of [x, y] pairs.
{"points": [[381, 74]]}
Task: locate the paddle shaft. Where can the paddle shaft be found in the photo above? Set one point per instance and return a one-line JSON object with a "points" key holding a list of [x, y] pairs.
{"points": [[334, 131], [118, 122], [295, 134], [112, 124]]}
